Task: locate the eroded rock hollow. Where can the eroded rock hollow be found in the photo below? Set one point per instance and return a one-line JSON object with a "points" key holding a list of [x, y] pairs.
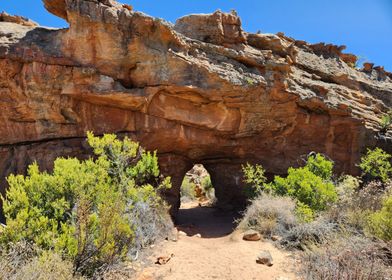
{"points": [[199, 91]]}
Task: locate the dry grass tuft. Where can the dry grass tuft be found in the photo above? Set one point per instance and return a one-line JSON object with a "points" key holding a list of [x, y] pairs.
{"points": [[269, 215], [349, 258], [25, 261], [305, 235]]}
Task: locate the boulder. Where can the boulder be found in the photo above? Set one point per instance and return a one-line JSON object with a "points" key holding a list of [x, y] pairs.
{"points": [[218, 28]]}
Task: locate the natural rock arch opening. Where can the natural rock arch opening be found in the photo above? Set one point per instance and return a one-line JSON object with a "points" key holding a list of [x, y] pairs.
{"points": [[197, 187], [225, 175], [201, 212]]}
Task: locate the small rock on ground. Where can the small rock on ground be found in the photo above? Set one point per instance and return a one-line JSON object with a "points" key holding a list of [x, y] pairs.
{"points": [[251, 235], [265, 258], [276, 238], [164, 259]]}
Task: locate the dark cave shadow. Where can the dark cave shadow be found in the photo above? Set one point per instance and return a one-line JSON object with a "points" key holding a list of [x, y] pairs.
{"points": [[208, 221]]}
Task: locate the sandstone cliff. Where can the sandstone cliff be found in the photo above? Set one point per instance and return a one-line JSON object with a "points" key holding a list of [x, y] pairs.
{"points": [[200, 91]]}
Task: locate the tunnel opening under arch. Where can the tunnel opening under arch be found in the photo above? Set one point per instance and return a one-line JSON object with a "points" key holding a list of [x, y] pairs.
{"points": [[197, 187], [225, 175], [207, 204]]}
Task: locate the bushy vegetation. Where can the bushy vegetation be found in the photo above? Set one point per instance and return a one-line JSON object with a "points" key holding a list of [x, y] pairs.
{"points": [[269, 215], [304, 213], [353, 257], [94, 212], [376, 164], [26, 261], [254, 179], [344, 225], [346, 188], [380, 222], [305, 235], [311, 185]]}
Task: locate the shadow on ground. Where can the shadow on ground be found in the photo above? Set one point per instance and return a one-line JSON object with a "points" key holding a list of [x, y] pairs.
{"points": [[209, 222]]}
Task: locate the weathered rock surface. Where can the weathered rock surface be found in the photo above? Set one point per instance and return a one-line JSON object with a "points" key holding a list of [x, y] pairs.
{"points": [[200, 91], [4, 17]]}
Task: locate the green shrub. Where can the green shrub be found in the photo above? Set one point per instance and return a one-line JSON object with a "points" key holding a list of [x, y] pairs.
{"points": [[320, 166], [310, 185], [305, 186], [304, 213], [380, 222], [254, 179], [82, 209], [377, 164]]}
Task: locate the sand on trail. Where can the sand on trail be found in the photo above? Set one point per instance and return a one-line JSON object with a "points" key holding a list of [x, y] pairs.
{"points": [[219, 253]]}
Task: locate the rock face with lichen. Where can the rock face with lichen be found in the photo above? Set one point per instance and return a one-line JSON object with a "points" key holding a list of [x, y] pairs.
{"points": [[200, 91]]}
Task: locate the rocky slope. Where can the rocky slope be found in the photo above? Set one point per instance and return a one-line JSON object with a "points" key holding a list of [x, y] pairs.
{"points": [[200, 91]]}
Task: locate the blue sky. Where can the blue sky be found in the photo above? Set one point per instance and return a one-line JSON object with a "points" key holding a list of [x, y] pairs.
{"points": [[364, 26]]}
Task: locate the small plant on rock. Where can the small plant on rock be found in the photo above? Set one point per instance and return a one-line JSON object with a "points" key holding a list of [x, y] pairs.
{"points": [[386, 122]]}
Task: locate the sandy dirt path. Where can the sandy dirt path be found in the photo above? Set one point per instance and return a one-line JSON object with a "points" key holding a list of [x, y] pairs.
{"points": [[219, 253]]}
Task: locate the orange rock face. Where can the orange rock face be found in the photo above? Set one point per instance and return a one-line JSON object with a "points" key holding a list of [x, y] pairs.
{"points": [[4, 17], [200, 91]]}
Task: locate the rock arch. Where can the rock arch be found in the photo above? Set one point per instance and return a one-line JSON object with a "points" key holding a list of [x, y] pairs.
{"points": [[226, 178], [232, 98]]}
